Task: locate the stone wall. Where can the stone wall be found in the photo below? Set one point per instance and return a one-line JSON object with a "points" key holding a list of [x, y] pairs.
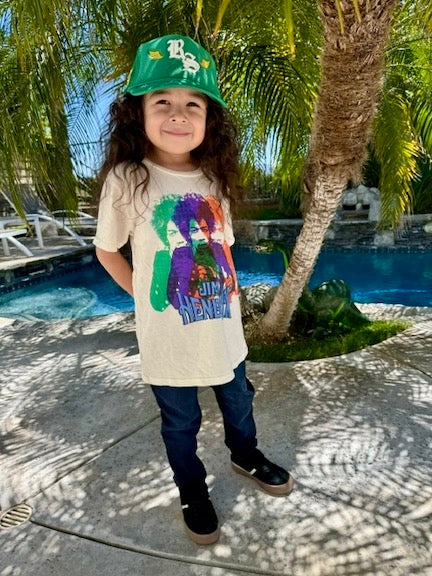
{"points": [[415, 233]]}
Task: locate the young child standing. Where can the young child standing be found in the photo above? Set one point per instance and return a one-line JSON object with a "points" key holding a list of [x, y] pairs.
{"points": [[169, 176]]}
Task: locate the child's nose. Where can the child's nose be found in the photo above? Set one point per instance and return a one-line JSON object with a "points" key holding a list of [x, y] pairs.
{"points": [[178, 115]]}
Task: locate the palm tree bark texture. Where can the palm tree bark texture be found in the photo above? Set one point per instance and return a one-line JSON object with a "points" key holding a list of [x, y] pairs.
{"points": [[351, 71]]}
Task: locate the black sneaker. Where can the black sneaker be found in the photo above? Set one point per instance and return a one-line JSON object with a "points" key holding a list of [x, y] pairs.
{"points": [[201, 522], [272, 478]]}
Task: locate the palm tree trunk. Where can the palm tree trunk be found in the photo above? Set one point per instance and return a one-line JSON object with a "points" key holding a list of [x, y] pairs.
{"points": [[351, 71]]}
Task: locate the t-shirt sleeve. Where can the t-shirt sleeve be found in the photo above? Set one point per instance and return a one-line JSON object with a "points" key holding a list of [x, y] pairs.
{"points": [[115, 222]]}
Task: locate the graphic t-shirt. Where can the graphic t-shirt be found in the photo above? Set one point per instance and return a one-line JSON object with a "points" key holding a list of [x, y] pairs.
{"points": [[187, 306]]}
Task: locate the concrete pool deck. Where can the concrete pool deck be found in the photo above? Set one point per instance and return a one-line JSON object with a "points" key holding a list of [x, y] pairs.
{"points": [[55, 246], [81, 446]]}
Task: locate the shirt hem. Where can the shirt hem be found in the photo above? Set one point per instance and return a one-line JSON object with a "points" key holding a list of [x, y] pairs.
{"points": [[194, 382]]}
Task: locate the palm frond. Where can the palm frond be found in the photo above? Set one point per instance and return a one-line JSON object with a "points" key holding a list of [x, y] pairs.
{"points": [[422, 121], [423, 188], [416, 12], [397, 149], [38, 144], [270, 91], [54, 57]]}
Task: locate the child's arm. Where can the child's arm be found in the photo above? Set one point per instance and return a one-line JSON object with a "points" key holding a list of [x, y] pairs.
{"points": [[117, 267]]}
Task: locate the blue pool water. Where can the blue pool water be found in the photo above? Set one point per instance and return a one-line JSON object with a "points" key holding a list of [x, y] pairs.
{"points": [[388, 277], [378, 276]]}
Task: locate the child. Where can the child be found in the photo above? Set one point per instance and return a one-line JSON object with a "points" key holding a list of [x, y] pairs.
{"points": [[169, 175]]}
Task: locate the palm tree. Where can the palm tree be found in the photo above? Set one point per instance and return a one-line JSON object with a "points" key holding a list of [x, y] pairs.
{"points": [[33, 95], [352, 73], [352, 68]]}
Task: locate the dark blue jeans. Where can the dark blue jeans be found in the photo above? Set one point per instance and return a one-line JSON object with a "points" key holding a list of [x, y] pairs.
{"points": [[181, 421]]}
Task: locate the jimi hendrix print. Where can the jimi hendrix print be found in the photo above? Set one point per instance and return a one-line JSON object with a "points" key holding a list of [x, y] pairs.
{"points": [[194, 272]]}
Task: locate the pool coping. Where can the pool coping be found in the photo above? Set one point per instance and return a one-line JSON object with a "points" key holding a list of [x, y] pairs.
{"points": [[20, 274]]}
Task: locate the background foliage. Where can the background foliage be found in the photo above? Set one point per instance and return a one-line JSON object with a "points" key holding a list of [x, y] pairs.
{"points": [[58, 60]]}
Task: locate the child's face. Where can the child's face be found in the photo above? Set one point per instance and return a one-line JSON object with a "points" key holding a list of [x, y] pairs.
{"points": [[174, 122]]}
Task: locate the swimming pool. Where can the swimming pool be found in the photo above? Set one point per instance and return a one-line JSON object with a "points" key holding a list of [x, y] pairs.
{"points": [[373, 276], [390, 277]]}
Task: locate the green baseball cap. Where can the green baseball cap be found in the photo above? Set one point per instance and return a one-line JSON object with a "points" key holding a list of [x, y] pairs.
{"points": [[173, 61]]}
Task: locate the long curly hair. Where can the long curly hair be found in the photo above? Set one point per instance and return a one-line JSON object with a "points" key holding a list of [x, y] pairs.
{"points": [[217, 155]]}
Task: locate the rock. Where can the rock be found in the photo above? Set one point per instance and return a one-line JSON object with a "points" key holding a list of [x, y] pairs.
{"points": [[349, 199], [362, 198], [253, 297], [428, 227], [363, 195], [374, 205], [384, 238], [269, 297]]}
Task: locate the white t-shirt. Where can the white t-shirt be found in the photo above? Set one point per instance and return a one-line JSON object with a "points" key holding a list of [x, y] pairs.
{"points": [[187, 306]]}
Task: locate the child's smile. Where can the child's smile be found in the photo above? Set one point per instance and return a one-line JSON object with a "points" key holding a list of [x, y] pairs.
{"points": [[175, 123]]}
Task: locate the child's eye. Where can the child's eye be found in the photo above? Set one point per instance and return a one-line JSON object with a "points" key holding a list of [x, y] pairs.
{"points": [[194, 104], [162, 101]]}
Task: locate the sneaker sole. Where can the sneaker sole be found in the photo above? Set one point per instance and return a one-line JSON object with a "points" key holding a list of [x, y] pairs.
{"points": [[203, 539], [274, 490]]}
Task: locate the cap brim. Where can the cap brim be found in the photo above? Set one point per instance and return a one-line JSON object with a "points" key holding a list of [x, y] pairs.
{"points": [[147, 87]]}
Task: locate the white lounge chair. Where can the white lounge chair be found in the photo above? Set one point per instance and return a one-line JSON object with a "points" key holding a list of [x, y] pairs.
{"points": [[78, 219], [36, 212], [9, 235]]}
